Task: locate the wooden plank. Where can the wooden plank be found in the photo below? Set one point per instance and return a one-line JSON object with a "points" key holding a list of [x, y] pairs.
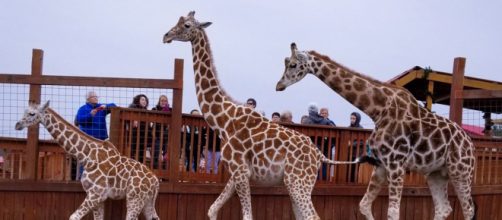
{"points": [[90, 81], [278, 207], [481, 94]]}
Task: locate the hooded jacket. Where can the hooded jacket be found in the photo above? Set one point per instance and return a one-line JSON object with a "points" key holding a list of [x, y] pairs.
{"points": [[358, 121]]}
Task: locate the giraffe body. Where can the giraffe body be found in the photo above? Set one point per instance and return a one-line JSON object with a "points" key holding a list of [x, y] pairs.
{"points": [[107, 174], [406, 136], [254, 149]]}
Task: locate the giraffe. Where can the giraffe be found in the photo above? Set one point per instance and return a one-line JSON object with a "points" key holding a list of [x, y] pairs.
{"points": [[407, 137], [107, 174], [253, 147]]}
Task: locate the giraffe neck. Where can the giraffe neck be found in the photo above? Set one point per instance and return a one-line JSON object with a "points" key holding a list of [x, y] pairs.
{"points": [[367, 94], [67, 135], [210, 95]]}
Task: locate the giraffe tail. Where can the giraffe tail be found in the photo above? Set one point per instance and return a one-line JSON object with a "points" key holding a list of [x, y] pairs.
{"points": [[367, 159], [324, 159], [363, 159]]}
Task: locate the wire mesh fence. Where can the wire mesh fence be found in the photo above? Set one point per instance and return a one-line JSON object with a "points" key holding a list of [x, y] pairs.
{"points": [[66, 100]]}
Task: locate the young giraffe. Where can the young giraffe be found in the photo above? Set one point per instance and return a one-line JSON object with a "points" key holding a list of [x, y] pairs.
{"points": [[406, 135], [106, 174], [254, 148]]}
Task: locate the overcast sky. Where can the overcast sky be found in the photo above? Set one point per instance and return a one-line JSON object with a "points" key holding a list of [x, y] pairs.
{"points": [[250, 40]]}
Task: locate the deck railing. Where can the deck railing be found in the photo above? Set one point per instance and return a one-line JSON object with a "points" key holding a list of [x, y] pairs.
{"points": [[187, 154]]}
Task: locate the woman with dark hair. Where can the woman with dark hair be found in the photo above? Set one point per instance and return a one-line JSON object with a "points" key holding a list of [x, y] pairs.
{"points": [[139, 135]]}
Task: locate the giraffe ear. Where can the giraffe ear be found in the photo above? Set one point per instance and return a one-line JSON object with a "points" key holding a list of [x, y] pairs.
{"points": [[205, 24], [286, 61], [293, 49], [45, 106], [191, 14], [293, 46]]}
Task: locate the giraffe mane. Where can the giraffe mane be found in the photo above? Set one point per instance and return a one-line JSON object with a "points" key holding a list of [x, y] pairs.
{"points": [[215, 72], [370, 79], [75, 128]]}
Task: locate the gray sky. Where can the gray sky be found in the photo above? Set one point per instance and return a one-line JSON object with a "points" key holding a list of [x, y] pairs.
{"points": [[250, 40]]}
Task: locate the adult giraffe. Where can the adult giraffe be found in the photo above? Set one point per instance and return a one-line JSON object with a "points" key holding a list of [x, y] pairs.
{"points": [[406, 135], [254, 148], [107, 174]]}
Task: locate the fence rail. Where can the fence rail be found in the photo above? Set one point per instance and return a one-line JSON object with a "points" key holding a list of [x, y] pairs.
{"points": [[196, 141]]}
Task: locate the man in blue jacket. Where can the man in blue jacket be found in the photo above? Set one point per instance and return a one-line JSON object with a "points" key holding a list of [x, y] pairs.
{"points": [[91, 117]]}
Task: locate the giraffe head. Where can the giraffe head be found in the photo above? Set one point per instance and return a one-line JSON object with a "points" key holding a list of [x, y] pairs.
{"points": [[296, 67], [32, 115], [186, 29]]}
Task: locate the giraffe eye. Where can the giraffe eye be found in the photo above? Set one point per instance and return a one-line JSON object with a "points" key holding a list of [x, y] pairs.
{"points": [[293, 65], [187, 25], [31, 114]]}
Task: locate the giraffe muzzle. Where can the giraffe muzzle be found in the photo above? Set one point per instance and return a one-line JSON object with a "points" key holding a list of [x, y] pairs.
{"points": [[19, 126], [167, 39], [280, 87]]}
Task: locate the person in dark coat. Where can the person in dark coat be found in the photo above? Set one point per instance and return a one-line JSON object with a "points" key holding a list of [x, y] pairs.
{"points": [[139, 135]]}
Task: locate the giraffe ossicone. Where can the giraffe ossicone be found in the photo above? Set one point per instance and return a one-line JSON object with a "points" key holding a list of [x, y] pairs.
{"points": [[107, 174], [407, 137], [254, 148]]}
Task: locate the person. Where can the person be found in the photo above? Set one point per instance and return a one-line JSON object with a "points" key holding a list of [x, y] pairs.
{"points": [[304, 120], [357, 145], [287, 117], [276, 117], [251, 102], [355, 120], [314, 118], [161, 132], [91, 119], [192, 148], [138, 129], [324, 112], [212, 154]]}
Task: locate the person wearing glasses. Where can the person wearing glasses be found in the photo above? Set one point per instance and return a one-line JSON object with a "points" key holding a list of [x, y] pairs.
{"points": [[91, 119], [251, 103]]}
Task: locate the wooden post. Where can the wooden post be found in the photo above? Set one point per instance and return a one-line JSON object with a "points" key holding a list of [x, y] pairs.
{"points": [[175, 126], [457, 87], [35, 96], [430, 91], [115, 128]]}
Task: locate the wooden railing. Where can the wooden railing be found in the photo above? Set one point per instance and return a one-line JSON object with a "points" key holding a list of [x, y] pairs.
{"points": [[185, 154]]}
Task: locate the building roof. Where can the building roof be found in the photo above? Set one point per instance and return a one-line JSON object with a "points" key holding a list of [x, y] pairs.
{"points": [[416, 80]]}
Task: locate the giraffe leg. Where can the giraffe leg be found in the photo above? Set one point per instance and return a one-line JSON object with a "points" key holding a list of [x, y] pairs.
{"points": [[134, 207], [378, 178], [228, 191], [91, 202], [149, 210], [438, 184], [244, 192], [300, 191], [462, 187], [396, 180], [99, 212]]}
